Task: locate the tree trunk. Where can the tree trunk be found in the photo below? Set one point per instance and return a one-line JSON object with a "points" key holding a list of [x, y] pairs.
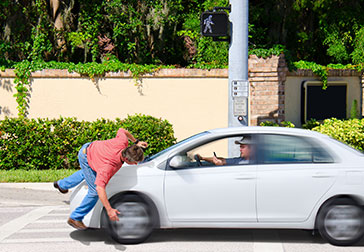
{"points": [[58, 24]]}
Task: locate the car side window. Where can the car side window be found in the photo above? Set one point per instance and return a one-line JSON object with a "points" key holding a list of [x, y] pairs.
{"points": [[320, 155], [291, 149], [219, 147]]}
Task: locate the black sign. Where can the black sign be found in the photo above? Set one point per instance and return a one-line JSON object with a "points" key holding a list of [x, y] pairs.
{"points": [[214, 24]]}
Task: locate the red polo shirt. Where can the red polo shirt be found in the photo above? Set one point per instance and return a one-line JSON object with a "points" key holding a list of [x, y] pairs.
{"points": [[104, 157]]}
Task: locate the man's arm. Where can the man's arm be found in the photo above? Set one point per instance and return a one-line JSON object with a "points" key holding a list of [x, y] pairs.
{"points": [[133, 139], [111, 212], [214, 160]]}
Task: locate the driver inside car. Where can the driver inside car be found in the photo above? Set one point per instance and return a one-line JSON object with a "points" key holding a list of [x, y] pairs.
{"points": [[245, 154]]}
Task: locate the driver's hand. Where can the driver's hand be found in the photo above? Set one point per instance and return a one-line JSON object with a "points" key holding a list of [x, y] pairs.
{"points": [[199, 156], [217, 161]]}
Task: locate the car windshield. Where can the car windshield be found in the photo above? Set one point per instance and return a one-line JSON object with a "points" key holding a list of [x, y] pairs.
{"points": [[175, 146]]}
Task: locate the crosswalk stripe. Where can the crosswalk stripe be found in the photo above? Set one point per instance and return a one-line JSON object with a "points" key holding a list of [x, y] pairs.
{"points": [[46, 230], [17, 224], [39, 240], [58, 215], [49, 221]]}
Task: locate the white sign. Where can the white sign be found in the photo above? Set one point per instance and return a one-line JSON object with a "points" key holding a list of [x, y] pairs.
{"points": [[240, 106], [240, 88]]}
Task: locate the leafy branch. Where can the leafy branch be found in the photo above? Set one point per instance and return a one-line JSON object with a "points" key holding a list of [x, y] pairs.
{"points": [[322, 71]]}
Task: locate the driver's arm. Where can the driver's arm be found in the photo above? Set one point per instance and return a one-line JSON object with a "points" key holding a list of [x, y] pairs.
{"points": [[213, 160]]}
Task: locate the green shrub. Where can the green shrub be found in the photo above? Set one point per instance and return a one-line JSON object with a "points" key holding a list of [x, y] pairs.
{"points": [[349, 131], [354, 110], [269, 123], [286, 124], [310, 124], [54, 143]]}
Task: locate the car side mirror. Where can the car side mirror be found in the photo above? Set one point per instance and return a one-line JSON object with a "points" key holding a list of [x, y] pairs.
{"points": [[178, 161]]}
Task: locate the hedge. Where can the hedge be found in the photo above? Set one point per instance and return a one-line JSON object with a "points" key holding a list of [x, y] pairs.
{"points": [[349, 131], [54, 143]]}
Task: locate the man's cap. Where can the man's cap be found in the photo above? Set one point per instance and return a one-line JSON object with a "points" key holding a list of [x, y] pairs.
{"points": [[244, 140]]}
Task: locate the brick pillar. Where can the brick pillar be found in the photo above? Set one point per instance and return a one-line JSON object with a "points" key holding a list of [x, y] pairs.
{"points": [[267, 78]]}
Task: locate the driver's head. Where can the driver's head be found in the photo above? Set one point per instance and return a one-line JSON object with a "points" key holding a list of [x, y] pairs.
{"points": [[245, 147]]}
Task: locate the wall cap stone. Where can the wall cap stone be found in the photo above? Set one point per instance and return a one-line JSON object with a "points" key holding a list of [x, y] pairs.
{"points": [[162, 73], [331, 73]]}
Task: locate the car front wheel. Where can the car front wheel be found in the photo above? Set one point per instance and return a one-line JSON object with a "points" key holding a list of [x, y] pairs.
{"points": [[341, 222], [136, 219]]}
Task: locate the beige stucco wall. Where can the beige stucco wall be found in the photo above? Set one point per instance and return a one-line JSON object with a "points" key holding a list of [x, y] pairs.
{"points": [[192, 105], [293, 94]]}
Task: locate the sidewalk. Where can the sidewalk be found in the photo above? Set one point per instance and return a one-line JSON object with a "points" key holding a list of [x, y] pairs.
{"points": [[32, 186], [31, 194]]}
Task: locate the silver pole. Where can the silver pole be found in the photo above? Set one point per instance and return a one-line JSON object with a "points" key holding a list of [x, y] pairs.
{"points": [[238, 69]]}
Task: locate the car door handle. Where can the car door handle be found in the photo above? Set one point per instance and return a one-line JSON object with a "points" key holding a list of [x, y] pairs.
{"points": [[245, 177], [322, 175]]}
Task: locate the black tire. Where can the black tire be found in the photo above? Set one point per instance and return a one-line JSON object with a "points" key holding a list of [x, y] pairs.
{"points": [[341, 222], [137, 219]]}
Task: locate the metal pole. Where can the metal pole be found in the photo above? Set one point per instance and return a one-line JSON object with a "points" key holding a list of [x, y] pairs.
{"points": [[238, 69]]}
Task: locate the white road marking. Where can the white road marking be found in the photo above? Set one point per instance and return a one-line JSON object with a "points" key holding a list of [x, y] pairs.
{"points": [[39, 240], [49, 221], [46, 230], [275, 244], [17, 224], [58, 215]]}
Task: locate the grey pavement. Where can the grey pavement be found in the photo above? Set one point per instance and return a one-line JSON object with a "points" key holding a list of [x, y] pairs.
{"points": [[33, 218], [16, 194]]}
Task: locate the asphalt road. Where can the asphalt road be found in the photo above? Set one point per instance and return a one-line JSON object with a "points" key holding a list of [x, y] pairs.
{"points": [[33, 218]]}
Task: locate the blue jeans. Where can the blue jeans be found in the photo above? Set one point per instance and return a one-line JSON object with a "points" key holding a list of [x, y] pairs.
{"points": [[86, 173]]}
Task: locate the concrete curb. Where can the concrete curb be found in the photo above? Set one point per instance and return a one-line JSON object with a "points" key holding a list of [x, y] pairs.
{"points": [[32, 186]]}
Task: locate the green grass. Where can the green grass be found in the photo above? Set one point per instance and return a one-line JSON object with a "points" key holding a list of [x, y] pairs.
{"points": [[12, 176]]}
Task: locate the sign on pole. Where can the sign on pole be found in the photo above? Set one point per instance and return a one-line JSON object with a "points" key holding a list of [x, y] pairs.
{"points": [[214, 24]]}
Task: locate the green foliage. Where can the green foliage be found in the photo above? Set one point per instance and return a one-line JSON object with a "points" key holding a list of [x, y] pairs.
{"points": [[53, 143], [317, 69], [168, 31], [310, 124], [269, 123], [265, 53], [286, 124], [34, 176], [358, 52], [158, 133], [322, 71], [354, 110], [22, 82], [349, 131]]}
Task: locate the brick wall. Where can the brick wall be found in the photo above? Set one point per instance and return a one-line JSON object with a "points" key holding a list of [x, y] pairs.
{"points": [[267, 78]]}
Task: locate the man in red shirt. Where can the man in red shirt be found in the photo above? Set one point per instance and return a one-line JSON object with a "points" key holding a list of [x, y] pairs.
{"points": [[99, 161]]}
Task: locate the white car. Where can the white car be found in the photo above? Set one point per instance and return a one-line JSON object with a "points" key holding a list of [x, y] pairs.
{"points": [[295, 179]]}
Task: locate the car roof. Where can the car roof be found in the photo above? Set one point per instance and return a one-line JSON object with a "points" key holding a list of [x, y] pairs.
{"points": [[267, 129]]}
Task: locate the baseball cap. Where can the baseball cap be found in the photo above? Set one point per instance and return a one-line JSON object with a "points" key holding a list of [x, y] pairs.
{"points": [[244, 140]]}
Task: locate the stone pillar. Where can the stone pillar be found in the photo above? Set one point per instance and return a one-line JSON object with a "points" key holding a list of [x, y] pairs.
{"points": [[267, 78]]}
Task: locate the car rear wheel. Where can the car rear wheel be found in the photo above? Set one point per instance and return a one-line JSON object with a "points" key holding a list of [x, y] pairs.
{"points": [[136, 219], [341, 222]]}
